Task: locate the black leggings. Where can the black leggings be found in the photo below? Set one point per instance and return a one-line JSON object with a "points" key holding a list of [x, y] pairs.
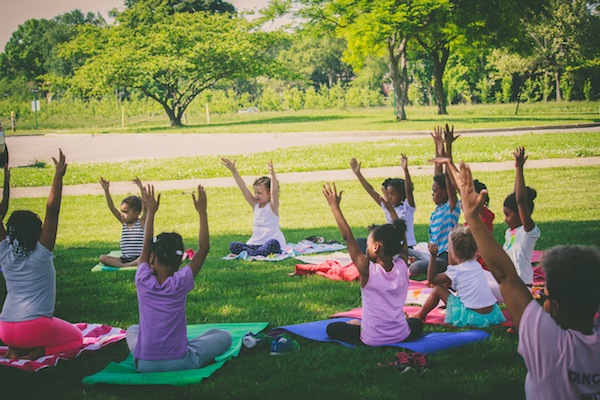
{"points": [[351, 333]]}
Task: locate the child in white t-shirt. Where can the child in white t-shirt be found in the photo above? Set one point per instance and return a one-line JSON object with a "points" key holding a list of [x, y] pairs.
{"points": [[473, 303]]}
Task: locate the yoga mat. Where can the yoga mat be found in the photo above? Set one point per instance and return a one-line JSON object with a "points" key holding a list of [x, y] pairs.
{"points": [[124, 372], [101, 267], [435, 316], [188, 254], [428, 343]]}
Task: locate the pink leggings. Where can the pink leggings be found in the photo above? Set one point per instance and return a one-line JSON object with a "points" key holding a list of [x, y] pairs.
{"points": [[53, 334]]}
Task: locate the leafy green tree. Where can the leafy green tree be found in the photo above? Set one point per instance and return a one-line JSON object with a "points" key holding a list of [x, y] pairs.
{"points": [[373, 29], [31, 50], [468, 24], [172, 60], [564, 36], [317, 58]]}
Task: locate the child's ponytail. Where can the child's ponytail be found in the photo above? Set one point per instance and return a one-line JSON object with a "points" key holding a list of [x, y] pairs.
{"points": [[392, 236], [168, 248]]}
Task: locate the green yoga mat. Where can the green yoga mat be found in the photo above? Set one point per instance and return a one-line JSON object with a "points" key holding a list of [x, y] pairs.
{"points": [[124, 372], [101, 267]]}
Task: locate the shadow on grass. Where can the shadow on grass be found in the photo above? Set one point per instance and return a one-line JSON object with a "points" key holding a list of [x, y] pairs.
{"points": [[544, 119], [289, 119]]}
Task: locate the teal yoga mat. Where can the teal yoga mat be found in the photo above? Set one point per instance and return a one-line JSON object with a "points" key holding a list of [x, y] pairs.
{"points": [[101, 267], [124, 372]]}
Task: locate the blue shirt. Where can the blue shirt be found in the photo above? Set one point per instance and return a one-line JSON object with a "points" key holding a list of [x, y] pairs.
{"points": [[441, 222]]}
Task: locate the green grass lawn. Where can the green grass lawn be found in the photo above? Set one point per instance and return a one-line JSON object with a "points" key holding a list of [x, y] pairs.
{"points": [[567, 211], [320, 158], [463, 116]]}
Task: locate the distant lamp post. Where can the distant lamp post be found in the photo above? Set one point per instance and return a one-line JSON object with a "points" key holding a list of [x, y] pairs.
{"points": [[35, 104]]}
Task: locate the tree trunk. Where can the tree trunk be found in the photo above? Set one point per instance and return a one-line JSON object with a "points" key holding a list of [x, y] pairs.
{"points": [[558, 92], [398, 73], [438, 82], [175, 119]]}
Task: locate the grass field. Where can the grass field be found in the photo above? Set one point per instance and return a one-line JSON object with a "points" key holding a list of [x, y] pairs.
{"points": [[567, 211], [464, 116]]}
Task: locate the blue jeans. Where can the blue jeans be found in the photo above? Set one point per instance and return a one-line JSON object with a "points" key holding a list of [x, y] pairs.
{"points": [[200, 351]]}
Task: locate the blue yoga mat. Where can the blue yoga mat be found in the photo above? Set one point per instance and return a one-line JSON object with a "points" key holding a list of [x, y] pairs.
{"points": [[428, 343], [124, 373]]}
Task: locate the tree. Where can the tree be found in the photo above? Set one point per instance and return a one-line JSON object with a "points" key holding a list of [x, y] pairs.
{"points": [[317, 57], [559, 36], [374, 28], [468, 24], [31, 50], [173, 60]]}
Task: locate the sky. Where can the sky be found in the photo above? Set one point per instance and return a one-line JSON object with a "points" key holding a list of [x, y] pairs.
{"points": [[14, 12]]}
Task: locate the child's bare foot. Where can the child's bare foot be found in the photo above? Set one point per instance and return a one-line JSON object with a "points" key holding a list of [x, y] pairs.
{"points": [[33, 353], [13, 353], [353, 322]]}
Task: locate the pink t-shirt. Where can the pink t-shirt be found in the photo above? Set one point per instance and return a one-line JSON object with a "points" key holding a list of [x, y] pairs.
{"points": [[163, 327], [561, 364], [383, 299]]}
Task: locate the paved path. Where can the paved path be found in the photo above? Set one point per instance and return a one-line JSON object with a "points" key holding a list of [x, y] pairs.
{"points": [[81, 148]]}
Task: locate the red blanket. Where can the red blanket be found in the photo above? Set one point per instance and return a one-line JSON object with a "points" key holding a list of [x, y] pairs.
{"points": [[95, 336], [331, 269]]}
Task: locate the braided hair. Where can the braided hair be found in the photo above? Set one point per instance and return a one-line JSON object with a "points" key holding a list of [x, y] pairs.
{"points": [[23, 231]]}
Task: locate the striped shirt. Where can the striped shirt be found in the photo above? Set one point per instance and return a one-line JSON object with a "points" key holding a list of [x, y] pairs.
{"points": [[132, 240], [441, 222]]}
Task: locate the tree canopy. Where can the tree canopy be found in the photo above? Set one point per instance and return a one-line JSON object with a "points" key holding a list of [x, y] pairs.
{"points": [[174, 59]]}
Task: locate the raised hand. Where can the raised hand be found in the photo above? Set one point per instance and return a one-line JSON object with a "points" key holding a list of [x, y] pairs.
{"points": [[60, 164], [404, 161], [449, 137], [355, 165], [200, 201], [438, 139], [104, 183], [151, 202], [270, 167], [230, 165], [520, 157], [433, 249], [331, 194], [471, 201]]}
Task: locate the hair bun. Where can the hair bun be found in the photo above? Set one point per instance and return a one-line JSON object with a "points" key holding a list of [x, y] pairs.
{"points": [[531, 193]]}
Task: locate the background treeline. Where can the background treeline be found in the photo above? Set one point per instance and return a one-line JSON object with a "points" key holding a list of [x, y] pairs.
{"points": [[173, 56]]}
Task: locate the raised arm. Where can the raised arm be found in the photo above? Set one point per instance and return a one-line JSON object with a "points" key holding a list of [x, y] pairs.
{"points": [[521, 190], [5, 201], [111, 205], [516, 294], [358, 257], [438, 140], [408, 185], [355, 165], [48, 235], [143, 194], [151, 206], [449, 139], [274, 189], [230, 165], [203, 237]]}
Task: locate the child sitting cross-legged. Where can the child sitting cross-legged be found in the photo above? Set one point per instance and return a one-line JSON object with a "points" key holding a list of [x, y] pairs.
{"points": [[383, 281], [160, 342], [473, 304]]}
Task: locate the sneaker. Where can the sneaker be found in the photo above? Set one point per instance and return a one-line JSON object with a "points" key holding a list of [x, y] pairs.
{"points": [[405, 363], [283, 344], [251, 340], [421, 362]]}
